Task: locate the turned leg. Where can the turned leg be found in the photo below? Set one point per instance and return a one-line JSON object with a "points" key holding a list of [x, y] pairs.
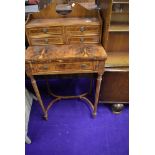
{"points": [[117, 108], [98, 85], [35, 87]]}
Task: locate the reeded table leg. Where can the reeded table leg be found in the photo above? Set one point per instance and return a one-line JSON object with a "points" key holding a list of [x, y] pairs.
{"points": [[98, 85], [35, 87]]}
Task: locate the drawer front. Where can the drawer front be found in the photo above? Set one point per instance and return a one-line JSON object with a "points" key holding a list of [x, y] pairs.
{"points": [[45, 30], [49, 68], [47, 41], [74, 66], [83, 39], [81, 30]]}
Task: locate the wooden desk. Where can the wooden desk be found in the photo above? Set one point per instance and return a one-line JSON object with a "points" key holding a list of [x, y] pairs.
{"points": [[65, 59]]}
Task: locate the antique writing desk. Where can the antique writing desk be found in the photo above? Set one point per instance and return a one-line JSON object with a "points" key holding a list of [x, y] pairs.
{"points": [[65, 44]]}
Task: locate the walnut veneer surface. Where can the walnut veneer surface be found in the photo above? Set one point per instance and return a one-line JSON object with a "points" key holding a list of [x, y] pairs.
{"points": [[61, 59]]}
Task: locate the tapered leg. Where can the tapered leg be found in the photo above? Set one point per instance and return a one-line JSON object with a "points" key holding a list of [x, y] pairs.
{"points": [[35, 87], [98, 85]]}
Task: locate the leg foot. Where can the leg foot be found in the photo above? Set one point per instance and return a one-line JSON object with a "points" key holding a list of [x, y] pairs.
{"points": [[94, 114], [27, 140], [46, 116], [117, 108]]}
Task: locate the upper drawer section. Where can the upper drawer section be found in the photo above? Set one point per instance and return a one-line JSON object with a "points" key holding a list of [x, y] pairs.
{"points": [[45, 30], [83, 29]]}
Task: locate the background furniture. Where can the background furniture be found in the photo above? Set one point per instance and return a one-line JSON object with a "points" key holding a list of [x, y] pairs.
{"points": [[115, 89]]}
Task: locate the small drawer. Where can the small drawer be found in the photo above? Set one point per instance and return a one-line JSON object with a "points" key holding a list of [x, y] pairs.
{"points": [[49, 68], [47, 41], [83, 39], [74, 66], [45, 30], [78, 30]]}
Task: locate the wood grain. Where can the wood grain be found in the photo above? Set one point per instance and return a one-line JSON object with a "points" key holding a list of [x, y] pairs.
{"points": [[115, 88], [66, 52], [118, 41]]}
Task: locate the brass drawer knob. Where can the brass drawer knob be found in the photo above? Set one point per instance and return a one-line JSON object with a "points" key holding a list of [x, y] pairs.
{"points": [[96, 66], [59, 60], [81, 40], [45, 30], [46, 41], [82, 28], [43, 67], [84, 66]]}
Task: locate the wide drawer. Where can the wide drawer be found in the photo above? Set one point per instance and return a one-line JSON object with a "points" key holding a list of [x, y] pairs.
{"points": [[45, 30], [47, 41], [83, 39], [48, 68], [81, 30], [74, 66]]}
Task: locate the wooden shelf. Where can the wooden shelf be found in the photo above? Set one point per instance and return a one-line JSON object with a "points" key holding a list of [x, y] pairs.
{"points": [[119, 28], [123, 12], [117, 59], [120, 2]]}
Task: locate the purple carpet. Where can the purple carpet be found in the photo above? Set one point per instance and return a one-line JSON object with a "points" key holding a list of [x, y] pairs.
{"points": [[70, 129]]}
